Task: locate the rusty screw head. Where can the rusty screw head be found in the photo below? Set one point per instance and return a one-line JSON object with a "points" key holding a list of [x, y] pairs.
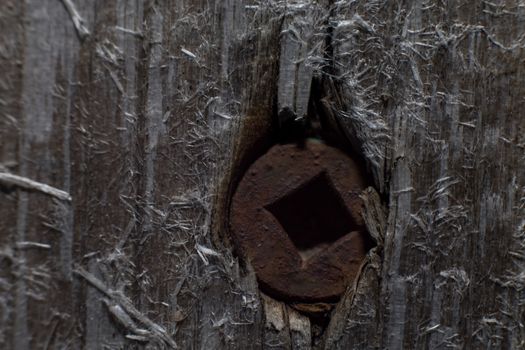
{"points": [[296, 218]]}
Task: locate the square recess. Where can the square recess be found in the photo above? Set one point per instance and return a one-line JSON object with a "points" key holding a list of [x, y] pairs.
{"points": [[313, 215]]}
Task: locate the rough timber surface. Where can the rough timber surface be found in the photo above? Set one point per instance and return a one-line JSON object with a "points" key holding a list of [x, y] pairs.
{"points": [[143, 112]]}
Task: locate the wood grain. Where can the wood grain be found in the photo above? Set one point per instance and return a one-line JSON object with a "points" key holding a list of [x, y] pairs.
{"points": [[147, 112]]}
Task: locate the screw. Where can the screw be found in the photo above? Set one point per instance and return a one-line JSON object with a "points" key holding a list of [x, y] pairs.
{"points": [[297, 220]]}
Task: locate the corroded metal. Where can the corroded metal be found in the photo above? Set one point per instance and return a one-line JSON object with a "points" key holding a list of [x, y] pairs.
{"points": [[296, 217]]}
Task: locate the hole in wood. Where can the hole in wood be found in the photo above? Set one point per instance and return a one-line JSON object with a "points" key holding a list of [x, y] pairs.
{"points": [[314, 216]]}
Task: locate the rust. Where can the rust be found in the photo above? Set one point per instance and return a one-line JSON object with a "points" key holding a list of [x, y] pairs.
{"points": [[296, 217]]}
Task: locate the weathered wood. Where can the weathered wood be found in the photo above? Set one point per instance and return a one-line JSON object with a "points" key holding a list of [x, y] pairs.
{"points": [[146, 114], [9, 181]]}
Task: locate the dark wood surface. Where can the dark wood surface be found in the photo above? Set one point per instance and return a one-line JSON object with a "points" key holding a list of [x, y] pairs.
{"points": [[145, 114]]}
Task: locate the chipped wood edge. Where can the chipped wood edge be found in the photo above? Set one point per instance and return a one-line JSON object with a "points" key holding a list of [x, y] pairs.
{"points": [[10, 180]]}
